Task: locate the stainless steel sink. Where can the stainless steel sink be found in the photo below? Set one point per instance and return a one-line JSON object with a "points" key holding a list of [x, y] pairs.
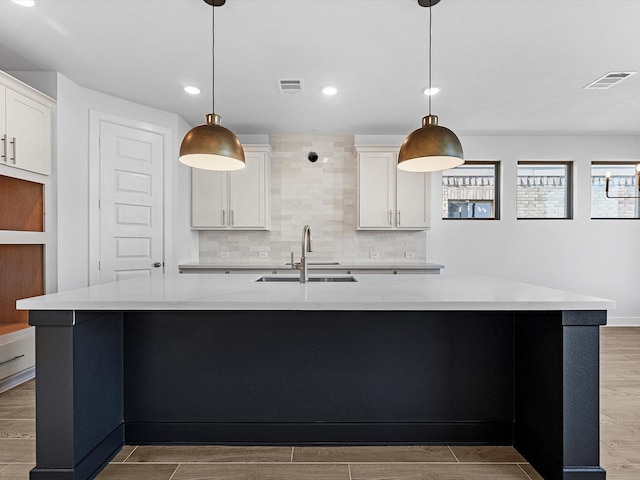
{"points": [[311, 279]]}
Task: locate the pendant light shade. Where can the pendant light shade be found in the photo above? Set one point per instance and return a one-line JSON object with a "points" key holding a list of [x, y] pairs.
{"points": [[430, 148], [212, 147]]}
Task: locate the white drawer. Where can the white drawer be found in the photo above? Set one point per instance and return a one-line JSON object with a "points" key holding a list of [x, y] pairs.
{"points": [[16, 356]]}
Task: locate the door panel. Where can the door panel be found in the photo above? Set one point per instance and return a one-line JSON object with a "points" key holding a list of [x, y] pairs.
{"points": [[412, 194], [247, 196], [29, 123], [209, 207], [131, 202], [375, 179]]}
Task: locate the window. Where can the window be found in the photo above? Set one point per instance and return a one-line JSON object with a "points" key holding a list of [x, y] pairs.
{"points": [[470, 191], [623, 183], [544, 190]]}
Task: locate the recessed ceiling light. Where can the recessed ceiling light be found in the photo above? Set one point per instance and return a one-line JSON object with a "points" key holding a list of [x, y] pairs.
{"points": [[329, 90], [430, 91], [192, 90], [25, 3]]}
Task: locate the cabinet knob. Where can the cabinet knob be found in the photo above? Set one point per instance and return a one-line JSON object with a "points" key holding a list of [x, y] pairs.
{"points": [[157, 264]]}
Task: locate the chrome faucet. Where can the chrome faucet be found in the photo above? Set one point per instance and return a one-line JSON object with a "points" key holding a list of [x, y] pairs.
{"points": [[306, 247]]}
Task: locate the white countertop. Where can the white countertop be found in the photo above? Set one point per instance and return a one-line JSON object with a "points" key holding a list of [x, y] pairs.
{"points": [[370, 292]]}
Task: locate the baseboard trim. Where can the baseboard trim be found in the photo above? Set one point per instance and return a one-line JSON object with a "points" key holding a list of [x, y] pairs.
{"points": [[451, 433], [584, 473], [623, 322], [88, 467], [17, 379]]}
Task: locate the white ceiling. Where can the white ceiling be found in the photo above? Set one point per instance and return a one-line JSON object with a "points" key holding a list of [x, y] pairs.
{"points": [[504, 66]]}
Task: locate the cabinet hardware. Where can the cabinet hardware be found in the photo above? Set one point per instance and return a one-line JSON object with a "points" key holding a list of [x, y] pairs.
{"points": [[157, 265], [390, 213], [232, 218], [224, 220], [4, 147], [11, 359], [13, 142], [398, 217]]}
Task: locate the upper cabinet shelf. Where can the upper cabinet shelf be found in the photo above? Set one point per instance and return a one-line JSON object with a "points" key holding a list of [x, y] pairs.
{"points": [[388, 198], [25, 126]]}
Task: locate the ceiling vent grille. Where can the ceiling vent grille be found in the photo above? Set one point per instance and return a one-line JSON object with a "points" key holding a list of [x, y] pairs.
{"points": [[290, 86], [608, 80]]}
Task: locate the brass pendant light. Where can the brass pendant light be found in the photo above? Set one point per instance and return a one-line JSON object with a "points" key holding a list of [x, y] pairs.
{"points": [[211, 146], [432, 147]]}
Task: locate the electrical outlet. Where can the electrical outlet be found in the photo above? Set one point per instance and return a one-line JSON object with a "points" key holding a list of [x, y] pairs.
{"points": [[224, 254], [263, 254], [374, 254], [409, 254]]}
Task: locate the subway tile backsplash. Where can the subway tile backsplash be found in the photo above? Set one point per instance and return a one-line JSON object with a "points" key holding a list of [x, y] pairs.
{"points": [[321, 194]]}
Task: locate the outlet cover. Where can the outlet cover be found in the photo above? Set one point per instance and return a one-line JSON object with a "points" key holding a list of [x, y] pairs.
{"points": [[224, 254], [374, 254], [409, 254]]}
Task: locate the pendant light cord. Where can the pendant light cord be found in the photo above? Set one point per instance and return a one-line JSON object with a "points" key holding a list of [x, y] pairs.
{"points": [[430, 91]]}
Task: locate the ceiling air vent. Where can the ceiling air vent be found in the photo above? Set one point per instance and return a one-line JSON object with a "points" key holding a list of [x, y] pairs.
{"points": [[290, 86], [608, 80]]}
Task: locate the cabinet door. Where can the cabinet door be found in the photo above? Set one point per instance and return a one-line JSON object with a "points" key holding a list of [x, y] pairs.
{"points": [[4, 146], [209, 208], [29, 123], [248, 195], [375, 190], [412, 200]]}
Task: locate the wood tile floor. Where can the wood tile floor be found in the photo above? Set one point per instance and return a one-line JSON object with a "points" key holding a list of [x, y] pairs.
{"points": [[619, 450]]}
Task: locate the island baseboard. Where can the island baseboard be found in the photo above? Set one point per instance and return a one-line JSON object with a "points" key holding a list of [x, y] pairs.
{"points": [[298, 434]]}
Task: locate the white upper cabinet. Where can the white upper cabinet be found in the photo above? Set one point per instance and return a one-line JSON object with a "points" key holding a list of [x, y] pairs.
{"points": [[209, 199], [234, 200], [25, 126], [388, 198], [412, 199]]}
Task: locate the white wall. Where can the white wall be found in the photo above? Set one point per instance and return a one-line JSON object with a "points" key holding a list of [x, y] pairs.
{"points": [[71, 180], [595, 257]]}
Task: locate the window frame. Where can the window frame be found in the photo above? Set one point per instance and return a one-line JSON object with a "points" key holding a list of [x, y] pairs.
{"points": [[632, 163], [569, 197], [497, 190]]}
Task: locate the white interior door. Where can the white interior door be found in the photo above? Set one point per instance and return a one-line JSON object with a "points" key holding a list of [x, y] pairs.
{"points": [[131, 202]]}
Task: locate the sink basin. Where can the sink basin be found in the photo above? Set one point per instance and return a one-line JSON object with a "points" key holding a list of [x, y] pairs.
{"points": [[311, 279]]}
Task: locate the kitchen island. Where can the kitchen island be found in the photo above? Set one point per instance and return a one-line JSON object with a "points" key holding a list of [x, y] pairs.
{"points": [[223, 359]]}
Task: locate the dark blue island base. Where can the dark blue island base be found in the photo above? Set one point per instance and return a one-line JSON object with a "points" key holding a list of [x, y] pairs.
{"points": [[527, 379]]}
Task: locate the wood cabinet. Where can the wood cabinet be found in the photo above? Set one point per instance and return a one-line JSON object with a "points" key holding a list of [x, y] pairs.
{"points": [[25, 166], [21, 276], [388, 198], [233, 200], [25, 126]]}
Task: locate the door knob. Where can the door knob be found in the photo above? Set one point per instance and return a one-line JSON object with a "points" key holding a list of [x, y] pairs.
{"points": [[157, 264]]}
